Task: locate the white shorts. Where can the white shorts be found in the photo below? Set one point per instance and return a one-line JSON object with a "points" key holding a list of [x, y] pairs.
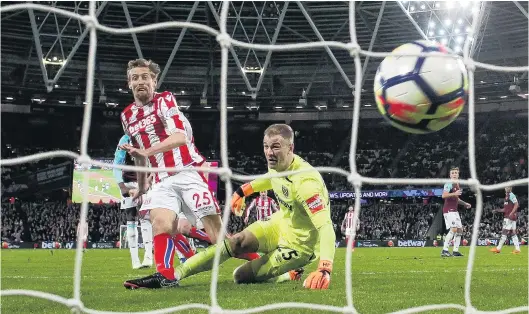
{"points": [[452, 220], [127, 202], [509, 224], [185, 193]]}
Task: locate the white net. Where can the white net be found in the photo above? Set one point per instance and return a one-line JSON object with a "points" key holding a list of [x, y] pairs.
{"points": [[225, 41]]}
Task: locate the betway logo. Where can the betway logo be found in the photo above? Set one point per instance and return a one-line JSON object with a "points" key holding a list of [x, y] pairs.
{"points": [[411, 243]]}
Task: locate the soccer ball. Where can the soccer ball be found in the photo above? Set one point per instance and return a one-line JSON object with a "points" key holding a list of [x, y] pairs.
{"points": [[421, 94]]}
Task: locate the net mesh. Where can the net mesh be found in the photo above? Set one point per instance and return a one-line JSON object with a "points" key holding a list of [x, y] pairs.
{"points": [[225, 41]]}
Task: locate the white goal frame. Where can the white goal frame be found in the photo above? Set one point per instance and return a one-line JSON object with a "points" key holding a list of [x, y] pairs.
{"points": [[225, 173]]}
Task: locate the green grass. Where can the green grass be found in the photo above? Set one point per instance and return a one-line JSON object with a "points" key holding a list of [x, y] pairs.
{"points": [[94, 176], [384, 280]]}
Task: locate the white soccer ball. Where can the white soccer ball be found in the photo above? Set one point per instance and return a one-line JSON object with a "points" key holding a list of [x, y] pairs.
{"points": [[421, 94]]}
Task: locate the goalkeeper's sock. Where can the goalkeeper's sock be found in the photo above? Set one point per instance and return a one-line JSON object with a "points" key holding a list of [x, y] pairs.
{"points": [[164, 255], [203, 261], [448, 238], [457, 242], [502, 241], [132, 240], [199, 234], [146, 234], [182, 245], [516, 242]]}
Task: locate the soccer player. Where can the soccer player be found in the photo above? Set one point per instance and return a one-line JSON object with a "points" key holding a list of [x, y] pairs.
{"points": [[162, 137], [82, 231], [451, 193], [510, 214], [347, 227], [126, 181], [301, 230], [265, 206]]}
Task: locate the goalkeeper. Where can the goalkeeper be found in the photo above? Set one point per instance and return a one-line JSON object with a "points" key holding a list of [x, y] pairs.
{"points": [[295, 235]]}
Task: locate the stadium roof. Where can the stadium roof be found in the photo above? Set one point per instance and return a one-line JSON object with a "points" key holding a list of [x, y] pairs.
{"points": [[324, 77]]}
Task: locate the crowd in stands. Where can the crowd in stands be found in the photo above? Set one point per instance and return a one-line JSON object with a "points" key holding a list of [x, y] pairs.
{"points": [[501, 154]]}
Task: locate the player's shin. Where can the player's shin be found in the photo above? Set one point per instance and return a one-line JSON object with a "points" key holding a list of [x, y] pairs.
{"points": [[203, 261], [448, 238], [183, 246], [146, 234], [516, 242], [199, 235], [164, 255], [457, 242], [502, 241], [132, 240]]}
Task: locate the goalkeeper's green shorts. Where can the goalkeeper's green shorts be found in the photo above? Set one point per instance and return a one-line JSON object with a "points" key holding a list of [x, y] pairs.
{"points": [[278, 259]]}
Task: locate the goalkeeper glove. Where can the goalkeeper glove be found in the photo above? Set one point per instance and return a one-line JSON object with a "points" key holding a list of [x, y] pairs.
{"points": [[237, 200], [321, 278]]}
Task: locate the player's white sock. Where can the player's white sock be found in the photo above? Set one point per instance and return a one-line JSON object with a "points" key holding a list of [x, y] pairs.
{"points": [[146, 234], [502, 240], [448, 238], [457, 242], [181, 257], [192, 244], [132, 239], [516, 242]]}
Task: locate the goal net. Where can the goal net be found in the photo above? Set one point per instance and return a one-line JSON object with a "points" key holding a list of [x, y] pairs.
{"points": [[225, 41]]}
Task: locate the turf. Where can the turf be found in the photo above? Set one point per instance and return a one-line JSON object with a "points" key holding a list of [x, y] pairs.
{"points": [[384, 280]]}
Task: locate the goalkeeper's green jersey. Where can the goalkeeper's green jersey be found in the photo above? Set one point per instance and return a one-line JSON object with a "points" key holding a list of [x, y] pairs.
{"points": [[305, 209]]}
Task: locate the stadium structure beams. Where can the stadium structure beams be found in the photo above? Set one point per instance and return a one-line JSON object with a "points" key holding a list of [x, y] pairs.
{"points": [[36, 36], [320, 37], [50, 84], [129, 23], [318, 66], [522, 9], [412, 20], [232, 51], [272, 42], [177, 45], [372, 42]]}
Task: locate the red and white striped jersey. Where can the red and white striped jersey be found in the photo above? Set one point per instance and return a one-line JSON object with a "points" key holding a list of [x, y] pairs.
{"points": [[265, 207], [154, 122], [347, 222]]}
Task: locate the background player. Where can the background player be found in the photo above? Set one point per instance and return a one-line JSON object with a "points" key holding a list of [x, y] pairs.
{"points": [[510, 214], [294, 236], [264, 205], [126, 181], [82, 231], [347, 227], [451, 193], [162, 137]]}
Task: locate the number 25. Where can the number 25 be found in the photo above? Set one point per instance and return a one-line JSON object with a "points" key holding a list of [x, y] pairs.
{"points": [[206, 200]]}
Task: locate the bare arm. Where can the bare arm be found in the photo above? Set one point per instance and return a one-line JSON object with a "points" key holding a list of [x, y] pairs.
{"points": [[173, 141], [141, 176]]}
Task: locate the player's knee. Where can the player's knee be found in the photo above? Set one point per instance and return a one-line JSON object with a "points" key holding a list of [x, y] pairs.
{"points": [[243, 274], [162, 221], [243, 242], [183, 226]]}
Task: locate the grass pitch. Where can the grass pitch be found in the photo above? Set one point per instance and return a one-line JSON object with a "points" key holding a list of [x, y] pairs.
{"points": [[384, 280]]}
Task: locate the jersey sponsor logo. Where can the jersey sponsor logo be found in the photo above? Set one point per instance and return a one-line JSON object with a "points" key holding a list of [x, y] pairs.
{"points": [[284, 190], [143, 123], [411, 243], [315, 204]]}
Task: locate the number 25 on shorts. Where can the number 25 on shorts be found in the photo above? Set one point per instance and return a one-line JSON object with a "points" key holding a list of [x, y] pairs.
{"points": [[202, 200]]}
